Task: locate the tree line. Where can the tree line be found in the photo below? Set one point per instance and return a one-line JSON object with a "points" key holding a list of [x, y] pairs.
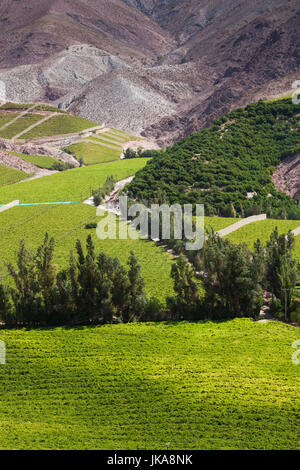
{"points": [[223, 280]]}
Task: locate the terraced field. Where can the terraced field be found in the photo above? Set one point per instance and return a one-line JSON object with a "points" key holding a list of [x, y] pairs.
{"points": [[123, 135], [19, 106], [37, 160], [10, 176], [92, 149], [263, 230], [72, 185], [218, 223], [229, 385]]}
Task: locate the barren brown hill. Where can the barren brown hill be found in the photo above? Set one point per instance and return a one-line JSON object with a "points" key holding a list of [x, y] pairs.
{"points": [[162, 67]]}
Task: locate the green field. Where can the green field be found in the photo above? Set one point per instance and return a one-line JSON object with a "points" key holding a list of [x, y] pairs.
{"points": [[92, 154], [10, 176], [61, 124], [72, 185], [37, 160], [279, 98], [20, 125], [66, 223], [262, 230], [229, 385]]}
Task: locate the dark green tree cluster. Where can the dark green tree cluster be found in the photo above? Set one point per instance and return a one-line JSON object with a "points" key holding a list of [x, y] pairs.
{"points": [[234, 279], [93, 289], [62, 166], [221, 165]]}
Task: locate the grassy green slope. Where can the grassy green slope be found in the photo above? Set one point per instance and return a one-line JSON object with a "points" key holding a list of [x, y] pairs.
{"points": [[219, 166], [73, 185], [230, 385], [10, 176], [66, 224], [106, 141]]}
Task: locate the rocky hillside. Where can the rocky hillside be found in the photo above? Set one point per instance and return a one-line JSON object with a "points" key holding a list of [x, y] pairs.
{"points": [[162, 67]]}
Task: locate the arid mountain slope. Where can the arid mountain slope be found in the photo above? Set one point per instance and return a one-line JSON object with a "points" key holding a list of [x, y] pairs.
{"points": [[32, 30], [198, 24], [164, 67], [135, 98]]}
